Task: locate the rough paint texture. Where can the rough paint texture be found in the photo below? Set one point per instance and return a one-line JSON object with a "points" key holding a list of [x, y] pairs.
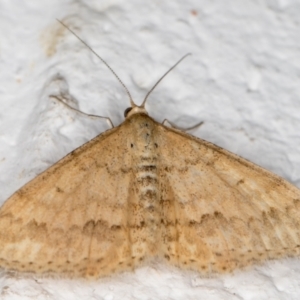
{"points": [[143, 190]]}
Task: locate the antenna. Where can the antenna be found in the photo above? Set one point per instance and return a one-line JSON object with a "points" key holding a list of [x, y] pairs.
{"points": [[107, 65], [156, 84]]}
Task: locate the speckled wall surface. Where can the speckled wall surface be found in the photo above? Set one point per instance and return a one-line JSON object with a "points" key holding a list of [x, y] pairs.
{"points": [[242, 81]]}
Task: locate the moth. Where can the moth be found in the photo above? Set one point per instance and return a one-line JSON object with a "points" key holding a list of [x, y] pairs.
{"points": [[143, 190]]}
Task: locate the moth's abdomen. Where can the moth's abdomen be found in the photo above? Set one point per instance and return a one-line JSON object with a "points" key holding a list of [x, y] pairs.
{"points": [[147, 182], [144, 203]]}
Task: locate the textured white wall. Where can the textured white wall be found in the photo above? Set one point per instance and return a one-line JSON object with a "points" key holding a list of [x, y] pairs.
{"points": [[242, 81]]}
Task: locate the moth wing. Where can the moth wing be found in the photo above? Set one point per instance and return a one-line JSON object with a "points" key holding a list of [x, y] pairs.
{"points": [[221, 211], [72, 218]]}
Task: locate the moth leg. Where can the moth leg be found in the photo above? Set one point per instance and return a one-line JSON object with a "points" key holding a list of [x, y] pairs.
{"points": [[169, 124], [61, 100]]}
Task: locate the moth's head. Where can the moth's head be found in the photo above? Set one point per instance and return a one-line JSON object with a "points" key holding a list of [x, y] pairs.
{"points": [[134, 109]]}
